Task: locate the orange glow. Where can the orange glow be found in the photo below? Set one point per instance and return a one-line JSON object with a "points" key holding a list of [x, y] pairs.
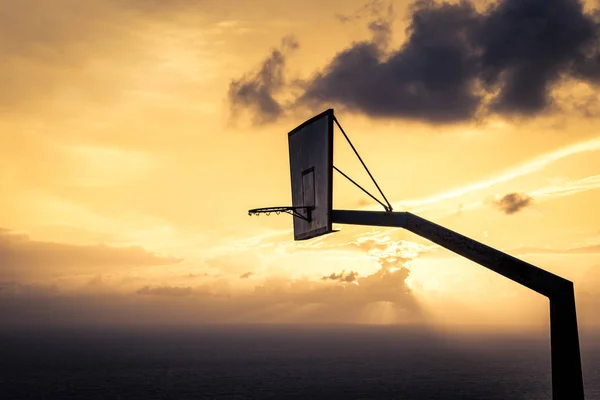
{"points": [[124, 175]]}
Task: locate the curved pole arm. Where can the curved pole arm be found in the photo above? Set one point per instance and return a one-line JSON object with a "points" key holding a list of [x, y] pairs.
{"points": [[567, 379]]}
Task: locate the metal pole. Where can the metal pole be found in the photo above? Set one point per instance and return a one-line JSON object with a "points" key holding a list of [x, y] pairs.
{"points": [[567, 377]]}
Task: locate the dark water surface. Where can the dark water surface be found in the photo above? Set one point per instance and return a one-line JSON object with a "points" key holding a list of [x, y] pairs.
{"points": [[278, 362]]}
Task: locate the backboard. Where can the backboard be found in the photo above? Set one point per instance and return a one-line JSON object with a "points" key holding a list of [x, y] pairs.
{"points": [[311, 170]]}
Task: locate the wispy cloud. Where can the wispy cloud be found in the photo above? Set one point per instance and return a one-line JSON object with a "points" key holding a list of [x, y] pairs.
{"points": [[532, 166], [568, 187], [593, 249], [22, 257]]}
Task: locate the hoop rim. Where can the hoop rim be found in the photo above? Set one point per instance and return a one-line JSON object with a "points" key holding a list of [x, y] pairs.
{"points": [[291, 210]]}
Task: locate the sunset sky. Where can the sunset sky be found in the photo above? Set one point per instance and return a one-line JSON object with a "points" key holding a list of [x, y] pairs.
{"points": [[136, 134]]}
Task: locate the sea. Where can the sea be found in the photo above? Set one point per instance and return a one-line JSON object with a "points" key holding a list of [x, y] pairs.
{"points": [[279, 362]]}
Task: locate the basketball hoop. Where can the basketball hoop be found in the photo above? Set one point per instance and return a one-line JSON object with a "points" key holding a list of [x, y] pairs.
{"points": [[293, 211], [311, 172]]}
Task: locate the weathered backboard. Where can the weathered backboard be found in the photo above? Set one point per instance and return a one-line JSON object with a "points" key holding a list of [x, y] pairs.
{"points": [[311, 169]]}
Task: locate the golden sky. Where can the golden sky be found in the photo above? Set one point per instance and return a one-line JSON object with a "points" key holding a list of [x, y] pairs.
{"points": [[126, 173]]}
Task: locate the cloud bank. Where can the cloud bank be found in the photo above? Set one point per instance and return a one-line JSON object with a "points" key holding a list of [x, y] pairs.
{"points": [[271, 297], [457, 63], [21, 257]]}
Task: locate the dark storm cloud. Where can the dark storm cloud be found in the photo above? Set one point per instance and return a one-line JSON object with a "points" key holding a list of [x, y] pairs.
{"points": [[589, 67], [256, 90], [513, 202], [20, 256], [527, 45], [458, 61], [430, 77]]}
